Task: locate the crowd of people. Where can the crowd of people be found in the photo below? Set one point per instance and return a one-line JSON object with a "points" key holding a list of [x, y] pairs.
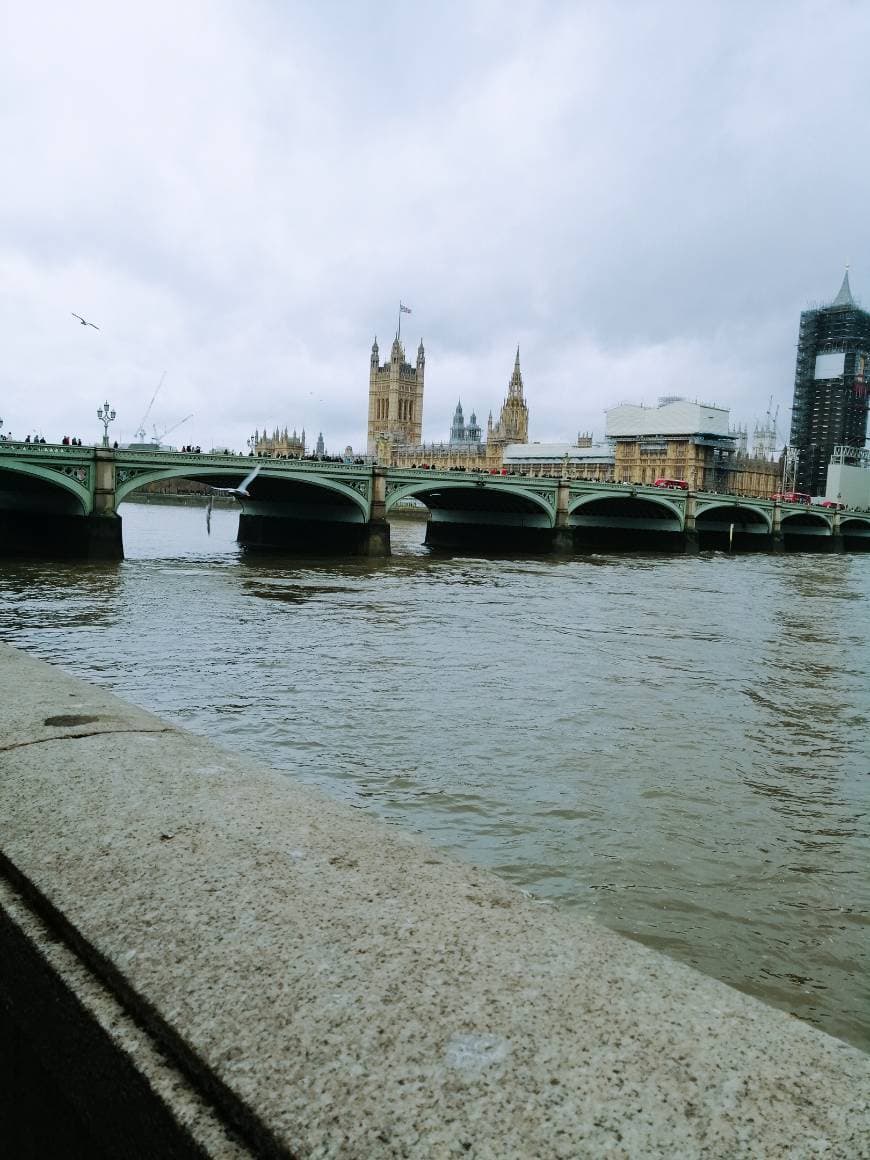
{"points": [[30, 440], [358, 460]]}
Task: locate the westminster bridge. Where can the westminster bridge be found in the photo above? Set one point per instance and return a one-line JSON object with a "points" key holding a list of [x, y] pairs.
{"points": [[62, 501]]}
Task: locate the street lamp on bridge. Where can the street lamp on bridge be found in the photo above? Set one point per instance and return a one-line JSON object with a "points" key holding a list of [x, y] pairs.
{"points": [[106, 415]]}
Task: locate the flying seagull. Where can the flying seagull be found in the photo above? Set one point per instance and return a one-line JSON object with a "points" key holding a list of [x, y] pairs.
{"points": [[240, 492], [84, 321]]}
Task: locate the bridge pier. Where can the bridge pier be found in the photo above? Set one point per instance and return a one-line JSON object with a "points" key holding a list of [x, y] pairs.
{"points": [[471, 536], [102, 539], [376, 541], [563, 541], [313, 537], [104, 482], [563, 533], [60, 536]]}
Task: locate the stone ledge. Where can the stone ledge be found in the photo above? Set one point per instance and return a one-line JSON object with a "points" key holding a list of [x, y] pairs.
{"points": [[88, 1081], [333, 987]]}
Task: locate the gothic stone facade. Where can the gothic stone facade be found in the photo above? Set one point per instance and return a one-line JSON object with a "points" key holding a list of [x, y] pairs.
{"points": [[395, 399], [703, 465], [472, 454], [280, 444]]}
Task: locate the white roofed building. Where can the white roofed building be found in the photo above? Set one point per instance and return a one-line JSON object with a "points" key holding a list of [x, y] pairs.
{"points": [[565, 460], [686, 440], [671, 417]]}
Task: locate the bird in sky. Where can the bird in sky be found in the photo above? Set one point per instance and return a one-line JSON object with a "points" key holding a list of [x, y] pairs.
{"points": [[84, 321]]}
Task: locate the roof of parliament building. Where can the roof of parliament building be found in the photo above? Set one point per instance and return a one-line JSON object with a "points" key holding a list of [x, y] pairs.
{"points": [[672, 416]]}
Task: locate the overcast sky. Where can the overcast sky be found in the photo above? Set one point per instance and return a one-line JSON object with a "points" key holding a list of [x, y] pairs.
{"points": [[643, 196]]}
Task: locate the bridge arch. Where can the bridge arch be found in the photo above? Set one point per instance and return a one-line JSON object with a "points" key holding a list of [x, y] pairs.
{"points": [[610, 501], [279, 485], [64, 490], [633, 506], [855, 530], [625, 519], [752, 519], [481, 495], [808, 521]]}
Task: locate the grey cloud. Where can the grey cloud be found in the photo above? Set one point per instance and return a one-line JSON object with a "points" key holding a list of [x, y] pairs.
{"points": [[641, 195]]}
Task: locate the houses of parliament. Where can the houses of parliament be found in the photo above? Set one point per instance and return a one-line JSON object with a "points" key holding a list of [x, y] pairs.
{"points": [[395, 419], [677, 438]]}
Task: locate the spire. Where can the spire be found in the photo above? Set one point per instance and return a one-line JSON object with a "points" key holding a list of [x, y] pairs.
{"points": [[515, 387], [844, 298]]}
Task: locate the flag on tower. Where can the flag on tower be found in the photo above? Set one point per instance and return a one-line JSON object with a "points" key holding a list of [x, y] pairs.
{"points": [[403, 309]]}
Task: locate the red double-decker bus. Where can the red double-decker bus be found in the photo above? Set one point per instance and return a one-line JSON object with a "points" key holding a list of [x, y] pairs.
{"points": [[792, 497]]}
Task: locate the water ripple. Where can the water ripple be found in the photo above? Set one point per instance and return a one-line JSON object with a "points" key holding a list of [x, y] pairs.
{"points": [[675, 745]]}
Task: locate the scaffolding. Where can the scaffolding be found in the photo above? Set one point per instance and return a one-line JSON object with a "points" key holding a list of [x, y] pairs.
{"points": [[828, 411], [851, 456]]}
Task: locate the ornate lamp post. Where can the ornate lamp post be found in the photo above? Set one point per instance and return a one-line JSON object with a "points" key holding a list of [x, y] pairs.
{"points": [[106, 415]]}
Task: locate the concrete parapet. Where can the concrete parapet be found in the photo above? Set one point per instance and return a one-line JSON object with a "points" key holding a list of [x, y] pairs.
{"points": [[266, 972]]}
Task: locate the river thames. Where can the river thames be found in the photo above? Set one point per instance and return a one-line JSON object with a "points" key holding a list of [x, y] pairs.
{"points": [[676, 745]]}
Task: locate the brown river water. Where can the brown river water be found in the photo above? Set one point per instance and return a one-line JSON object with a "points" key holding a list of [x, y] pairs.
{"points": [[678, 746]]}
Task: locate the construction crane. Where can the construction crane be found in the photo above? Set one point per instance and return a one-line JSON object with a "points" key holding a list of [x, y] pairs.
{"points": [[140, 430], [159, 438], [764, 436], [771, 419]]}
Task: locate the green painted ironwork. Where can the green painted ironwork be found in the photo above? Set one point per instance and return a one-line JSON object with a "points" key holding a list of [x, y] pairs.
{"points": [[78, 473]]}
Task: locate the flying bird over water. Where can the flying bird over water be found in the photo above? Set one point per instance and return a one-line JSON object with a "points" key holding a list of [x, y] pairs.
{"points": [[240, 492], [84, 321]]}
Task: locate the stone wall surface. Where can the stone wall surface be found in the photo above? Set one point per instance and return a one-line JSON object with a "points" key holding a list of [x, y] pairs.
{"points": [[288, 977]]}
